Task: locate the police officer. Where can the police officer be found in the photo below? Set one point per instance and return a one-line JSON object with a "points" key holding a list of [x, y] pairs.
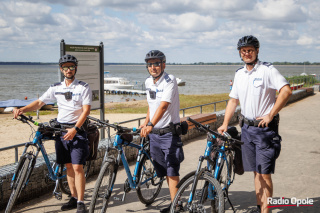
{"points": [[255, 87], [74, 102], [162, 119]]}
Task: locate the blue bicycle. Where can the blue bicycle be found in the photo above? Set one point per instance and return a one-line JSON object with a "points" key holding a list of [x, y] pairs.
{"points": [[206, 189], [144, 179], [28, 160]]}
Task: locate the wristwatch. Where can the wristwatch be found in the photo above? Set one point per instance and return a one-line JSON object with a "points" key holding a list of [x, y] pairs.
{"points": [[77, 128], [150, 124]]}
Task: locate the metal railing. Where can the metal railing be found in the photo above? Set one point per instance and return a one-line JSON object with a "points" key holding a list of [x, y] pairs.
{"points": [[15, 147]]}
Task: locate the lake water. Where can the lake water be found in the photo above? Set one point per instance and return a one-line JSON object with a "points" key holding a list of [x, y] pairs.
{"points": [[18, 81]]}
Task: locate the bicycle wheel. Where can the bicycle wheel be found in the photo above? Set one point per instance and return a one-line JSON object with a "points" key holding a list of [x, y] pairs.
{"points": [[63, 182], [102, 189], [150, 183], [18, 184], [204, 198]]}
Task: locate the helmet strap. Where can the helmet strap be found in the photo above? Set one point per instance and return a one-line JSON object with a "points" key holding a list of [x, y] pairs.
{"points": [[157, 77], [252, 63], [72, 78]]}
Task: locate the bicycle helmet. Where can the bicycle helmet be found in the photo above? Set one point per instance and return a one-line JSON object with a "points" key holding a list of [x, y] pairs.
{"points": [[155, 54], [68, 58], [249, 40]]}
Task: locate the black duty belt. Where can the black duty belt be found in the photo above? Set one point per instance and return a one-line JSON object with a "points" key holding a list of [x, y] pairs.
{"points": [[161, 131], [251, 122], [67, 125], [255, 122]]}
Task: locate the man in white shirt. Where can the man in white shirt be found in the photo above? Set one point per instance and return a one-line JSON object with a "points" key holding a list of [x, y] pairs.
{"points": [[74, 103], [255, 87], [161, 121]]}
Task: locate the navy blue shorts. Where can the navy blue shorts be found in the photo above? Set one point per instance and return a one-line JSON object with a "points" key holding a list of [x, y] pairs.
{"points": [[260, 150], [167, 154], [75, 151]]}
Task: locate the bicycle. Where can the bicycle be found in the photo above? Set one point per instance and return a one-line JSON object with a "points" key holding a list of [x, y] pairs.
{"points": [[214, 180], [144, 179], [28, 160]]}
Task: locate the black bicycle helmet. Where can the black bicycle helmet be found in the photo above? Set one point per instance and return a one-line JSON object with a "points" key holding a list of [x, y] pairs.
{"points": [[155, 54], [68, 58], [249, 40]]}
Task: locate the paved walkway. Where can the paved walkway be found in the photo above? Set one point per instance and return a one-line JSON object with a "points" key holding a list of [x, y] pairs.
{"points": [[297, 170]]}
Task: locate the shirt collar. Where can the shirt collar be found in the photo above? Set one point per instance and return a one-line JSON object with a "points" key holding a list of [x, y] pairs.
{"points": [[74, 82], [254, 68], [160, 79]]}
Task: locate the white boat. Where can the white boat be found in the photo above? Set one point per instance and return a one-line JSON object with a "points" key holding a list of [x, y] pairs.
{"points": [[113, 83], [180, 82]]}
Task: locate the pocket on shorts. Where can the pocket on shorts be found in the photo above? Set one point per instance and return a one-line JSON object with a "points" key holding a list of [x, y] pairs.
{"points": [[276, 141], [179, 151]]}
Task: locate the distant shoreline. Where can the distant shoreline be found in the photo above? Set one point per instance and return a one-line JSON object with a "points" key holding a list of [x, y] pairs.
{"points": [[173, 64]]}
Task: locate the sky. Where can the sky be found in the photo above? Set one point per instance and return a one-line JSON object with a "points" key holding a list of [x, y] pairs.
{"points": [[186, 31]]}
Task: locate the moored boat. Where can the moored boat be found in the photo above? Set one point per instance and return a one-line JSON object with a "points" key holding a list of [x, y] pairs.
{"points": [[296, 86], [180, 82]]}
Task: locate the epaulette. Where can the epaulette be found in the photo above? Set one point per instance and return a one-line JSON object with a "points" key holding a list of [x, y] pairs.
{"points": [[56, 84], [83, 83], [268, 64], [167, 78], [239, 69]]}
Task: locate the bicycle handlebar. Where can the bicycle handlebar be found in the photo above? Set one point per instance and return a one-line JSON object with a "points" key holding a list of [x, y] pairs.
{"points": [[225, 137], [25, 119], [120, 129]]}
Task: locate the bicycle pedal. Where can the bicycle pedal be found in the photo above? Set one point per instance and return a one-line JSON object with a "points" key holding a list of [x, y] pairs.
{"points": [[58, 195], [117, 199]]}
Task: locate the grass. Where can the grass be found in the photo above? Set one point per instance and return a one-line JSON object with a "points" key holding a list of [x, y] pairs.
{"points": [[141, 107], [185, 101]]}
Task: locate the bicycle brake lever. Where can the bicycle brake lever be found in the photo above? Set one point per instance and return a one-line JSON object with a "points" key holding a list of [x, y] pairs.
{"points": [[227, 135]]}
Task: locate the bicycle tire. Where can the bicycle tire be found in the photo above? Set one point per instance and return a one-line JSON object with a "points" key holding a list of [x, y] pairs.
{"points": [[99, 199], [17, 186], [63, 182], [146, 193], [200, 201]]}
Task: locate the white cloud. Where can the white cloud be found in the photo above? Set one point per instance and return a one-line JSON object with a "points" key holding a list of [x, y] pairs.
{"points": [[187, 22], [279, 10], [304, 40], [128, 29], [3, 23]]}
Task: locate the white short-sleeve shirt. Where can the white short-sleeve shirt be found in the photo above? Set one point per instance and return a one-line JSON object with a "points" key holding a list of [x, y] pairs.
{"points": [[69, 110], [256, 89], [166, 89]]}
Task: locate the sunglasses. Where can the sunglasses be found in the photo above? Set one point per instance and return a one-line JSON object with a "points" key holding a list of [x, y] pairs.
{"points": [[243, 52], [156, 64], [70, 68]]}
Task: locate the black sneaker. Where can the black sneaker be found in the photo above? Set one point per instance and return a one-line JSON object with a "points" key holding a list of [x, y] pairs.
{"points": [[72, 204], [165, 210], [81, 208], [255, 210], [179, 208]]}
